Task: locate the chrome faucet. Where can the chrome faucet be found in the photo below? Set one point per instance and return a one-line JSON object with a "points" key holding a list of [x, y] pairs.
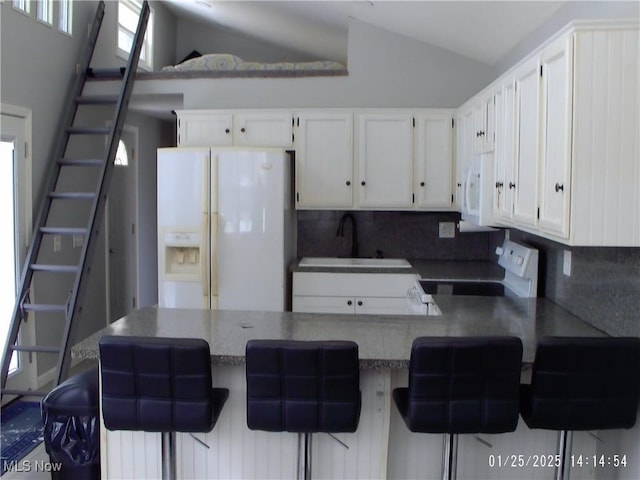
{"points": [[354, 232]]}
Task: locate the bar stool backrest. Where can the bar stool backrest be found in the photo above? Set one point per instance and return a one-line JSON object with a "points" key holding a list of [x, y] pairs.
{"points": [[304, 387], [157, 384], [464, 385], [584, 383]]}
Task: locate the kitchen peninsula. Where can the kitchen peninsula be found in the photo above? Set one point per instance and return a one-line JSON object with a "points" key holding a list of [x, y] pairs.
{"points": [[382, 447]]}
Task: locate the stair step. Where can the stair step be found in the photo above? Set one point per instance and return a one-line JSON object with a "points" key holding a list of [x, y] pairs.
{"points": [[89, 130], [44, 307], [24, 393], [81, 162], [97, 100], [35, 348], [39, 267], [72, 195], [63, 230], [106, 72]]}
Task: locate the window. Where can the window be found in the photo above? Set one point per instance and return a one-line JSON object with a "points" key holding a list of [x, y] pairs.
{"points": [[22, 5], [122, 157], [128, 15], [45, 11], [65, 19]]}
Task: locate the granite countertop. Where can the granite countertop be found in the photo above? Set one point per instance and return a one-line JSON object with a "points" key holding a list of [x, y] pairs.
{"points": [[384, 340], [433, 269]]}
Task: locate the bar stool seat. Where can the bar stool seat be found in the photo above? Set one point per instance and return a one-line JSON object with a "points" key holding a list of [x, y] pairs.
{"points": [[304, 387], [461, 385], [159, 385], [582, 383]]}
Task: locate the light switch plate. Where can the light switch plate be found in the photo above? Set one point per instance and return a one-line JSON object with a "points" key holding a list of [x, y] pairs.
{"points": [[447, 229]]}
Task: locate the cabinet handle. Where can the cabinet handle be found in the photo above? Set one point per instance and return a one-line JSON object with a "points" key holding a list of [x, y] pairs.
{"points": [[349, 303], [348, 183], [481, 133], [359, 303], [242, 130], [363, 183], [226, 130], [499, 184], [422, 184], [559, 187], [512, 185], [459, 185]]}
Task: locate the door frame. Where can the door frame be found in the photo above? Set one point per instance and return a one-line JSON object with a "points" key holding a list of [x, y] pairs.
{"points": [[133, 132], [25, 214]]}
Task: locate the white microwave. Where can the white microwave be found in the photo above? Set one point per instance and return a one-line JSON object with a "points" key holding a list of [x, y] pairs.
{"points": [[477, 205]]}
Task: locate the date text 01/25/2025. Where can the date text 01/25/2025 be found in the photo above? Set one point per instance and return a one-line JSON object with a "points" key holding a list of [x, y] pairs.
{"points": [[552, 461]]}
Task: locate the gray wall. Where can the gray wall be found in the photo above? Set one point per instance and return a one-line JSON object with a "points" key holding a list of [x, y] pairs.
{"points": [[572, 10], [385, 70]]}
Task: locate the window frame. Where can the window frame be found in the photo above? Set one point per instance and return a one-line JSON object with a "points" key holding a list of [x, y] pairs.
{"points": [[44, 12], [135, 6], [22, 6], [65, 17]]}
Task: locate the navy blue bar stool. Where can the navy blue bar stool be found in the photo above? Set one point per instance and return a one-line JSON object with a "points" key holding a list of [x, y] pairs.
{"points": [[582, 383], [461, 385], [159, 385], [303, 387]]}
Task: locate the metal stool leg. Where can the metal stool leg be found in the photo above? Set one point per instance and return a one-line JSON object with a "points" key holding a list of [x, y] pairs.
{"points": [[169, 456], [304, 456], [449, 456], [565, 439]]}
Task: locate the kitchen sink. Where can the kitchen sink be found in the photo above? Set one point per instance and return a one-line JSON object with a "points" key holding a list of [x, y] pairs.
{"points": [[337, 262]]}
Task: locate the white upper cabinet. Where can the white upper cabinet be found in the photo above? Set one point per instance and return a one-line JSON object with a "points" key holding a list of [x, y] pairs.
{"points": [[385, 160], [324, 160], [555, 156], [505, 151], [567, 145], [199, 128], [434, 170], [525, 202]]}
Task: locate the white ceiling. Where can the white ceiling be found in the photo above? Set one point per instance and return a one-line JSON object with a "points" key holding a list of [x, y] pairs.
{"points": [[482, 30]]}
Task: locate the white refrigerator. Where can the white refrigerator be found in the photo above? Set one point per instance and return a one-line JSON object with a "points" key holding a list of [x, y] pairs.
{"points": [[226, 228]]}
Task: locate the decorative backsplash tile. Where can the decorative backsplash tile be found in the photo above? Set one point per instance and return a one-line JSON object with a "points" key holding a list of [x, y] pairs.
{"points": [[394, 234]]}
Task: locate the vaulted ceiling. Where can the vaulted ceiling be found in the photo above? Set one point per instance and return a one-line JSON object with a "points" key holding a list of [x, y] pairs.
{"points": [[482, 30]]}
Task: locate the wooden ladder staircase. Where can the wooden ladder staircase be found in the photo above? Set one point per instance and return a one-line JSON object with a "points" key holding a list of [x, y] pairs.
{"points": [[52, 286]]}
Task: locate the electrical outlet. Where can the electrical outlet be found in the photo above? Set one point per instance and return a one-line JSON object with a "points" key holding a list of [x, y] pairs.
{"points": [[447, 229], [57, 243], [566, 263]]}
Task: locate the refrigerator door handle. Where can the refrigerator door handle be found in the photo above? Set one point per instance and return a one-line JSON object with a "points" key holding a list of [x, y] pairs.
{"points": [[204, 278], [214, 255]]}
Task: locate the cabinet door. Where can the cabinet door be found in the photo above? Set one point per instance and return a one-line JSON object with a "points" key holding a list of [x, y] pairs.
{"points": [[258, 129], [381, 305], [204, 129], [434, 161], [556, 140], [385, 160], [465, 133], [505, 150], [324, 160], [527, 97], [313, 304]]}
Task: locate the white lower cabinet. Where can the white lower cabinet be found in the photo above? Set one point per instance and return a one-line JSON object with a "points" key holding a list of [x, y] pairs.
{"points": [[352, 293]]}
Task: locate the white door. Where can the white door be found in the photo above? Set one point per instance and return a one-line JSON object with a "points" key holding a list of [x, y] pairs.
{"points": [[121, 217], [434, 161], [556, 137], [15, 212], [526, 184], [324, 160], [385, 160]]}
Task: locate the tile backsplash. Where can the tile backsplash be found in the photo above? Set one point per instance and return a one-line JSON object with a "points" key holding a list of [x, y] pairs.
{"points": [[413, 235], [603, 288]]}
